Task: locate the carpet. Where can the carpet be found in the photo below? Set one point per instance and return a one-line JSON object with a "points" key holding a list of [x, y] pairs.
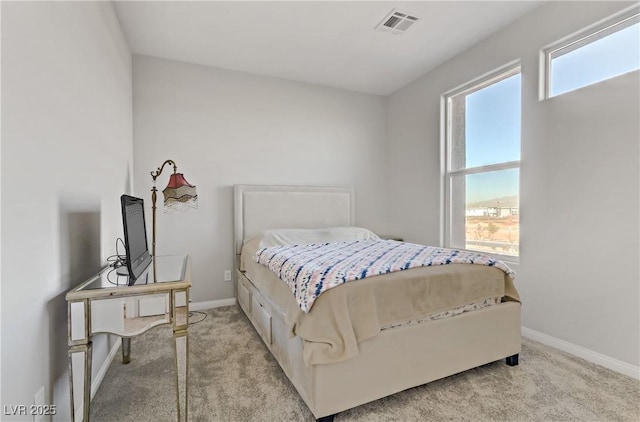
{"points": [[233, 377]]}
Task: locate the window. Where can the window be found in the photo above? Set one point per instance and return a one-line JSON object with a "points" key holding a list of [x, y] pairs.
{"points": [[603, 51], [482, 164]]}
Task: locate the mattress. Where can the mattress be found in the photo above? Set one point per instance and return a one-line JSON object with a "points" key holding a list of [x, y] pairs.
{"points": [[347, 315]]}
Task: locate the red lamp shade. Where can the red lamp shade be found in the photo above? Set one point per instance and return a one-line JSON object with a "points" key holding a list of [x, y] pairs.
{"points": [[179, 195]]}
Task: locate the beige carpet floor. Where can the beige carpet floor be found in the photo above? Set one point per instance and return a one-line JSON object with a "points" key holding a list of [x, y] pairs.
{"points": [[235, 378]]}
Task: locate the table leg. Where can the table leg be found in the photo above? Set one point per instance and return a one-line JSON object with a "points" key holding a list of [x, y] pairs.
{"points": [[86, 387], [181, 359], [126, 350]]}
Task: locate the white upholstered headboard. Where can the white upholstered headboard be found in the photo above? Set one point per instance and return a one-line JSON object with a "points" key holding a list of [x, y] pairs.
{"points": [[261, 207]]}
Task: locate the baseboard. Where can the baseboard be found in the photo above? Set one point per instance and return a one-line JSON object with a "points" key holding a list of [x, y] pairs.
{"points": [[586, 354], [97, 380], [95, 384], [210, 304]]}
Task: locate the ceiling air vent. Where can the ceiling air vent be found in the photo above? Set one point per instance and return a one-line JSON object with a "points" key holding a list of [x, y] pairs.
{"points": [[396, 22]]}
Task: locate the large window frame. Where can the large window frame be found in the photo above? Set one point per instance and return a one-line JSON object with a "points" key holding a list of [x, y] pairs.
{"points": [[579, 39], [447, 170]]}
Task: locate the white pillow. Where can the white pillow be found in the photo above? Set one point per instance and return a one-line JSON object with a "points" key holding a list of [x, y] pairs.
{"points": [[277, 237]]}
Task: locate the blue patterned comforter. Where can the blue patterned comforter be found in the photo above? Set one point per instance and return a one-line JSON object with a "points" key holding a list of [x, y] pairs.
{"points": [[310, 270]]}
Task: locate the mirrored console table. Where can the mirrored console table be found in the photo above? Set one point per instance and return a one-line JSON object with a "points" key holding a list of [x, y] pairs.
{"points": [[107, 304]]}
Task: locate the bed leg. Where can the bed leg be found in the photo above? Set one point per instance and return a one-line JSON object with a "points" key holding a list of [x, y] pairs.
{"points": [[513, 360], [326, 418]]}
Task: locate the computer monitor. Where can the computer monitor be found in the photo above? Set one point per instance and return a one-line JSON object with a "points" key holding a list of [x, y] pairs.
{"points": [[135, 237]]}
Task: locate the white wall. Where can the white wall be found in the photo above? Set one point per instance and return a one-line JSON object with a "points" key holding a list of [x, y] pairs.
{"points": [[224, 128], [66, 158], [578, 274]]}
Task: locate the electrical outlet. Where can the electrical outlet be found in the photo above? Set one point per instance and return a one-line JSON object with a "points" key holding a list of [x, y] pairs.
{"points": [[227, 275]]}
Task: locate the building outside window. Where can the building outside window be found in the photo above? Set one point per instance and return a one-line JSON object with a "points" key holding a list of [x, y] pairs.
{"points": [[482, 164]]}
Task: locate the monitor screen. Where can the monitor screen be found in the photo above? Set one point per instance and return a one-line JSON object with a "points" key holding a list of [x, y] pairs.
{"points": [[135, 236]]}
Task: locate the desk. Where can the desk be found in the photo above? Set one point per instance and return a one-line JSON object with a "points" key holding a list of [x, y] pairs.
{"points": [[106, 304]]}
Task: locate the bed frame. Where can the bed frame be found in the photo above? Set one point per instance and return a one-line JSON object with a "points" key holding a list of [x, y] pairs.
{"points": [[394, 360]]}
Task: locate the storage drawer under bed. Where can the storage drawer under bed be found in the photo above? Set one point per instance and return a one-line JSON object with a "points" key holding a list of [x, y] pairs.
{"points": [[261, 318], [244, 295], [254, 305]]}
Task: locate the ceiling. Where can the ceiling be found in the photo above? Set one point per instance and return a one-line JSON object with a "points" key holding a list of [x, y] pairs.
{"points": [[330, 43]]}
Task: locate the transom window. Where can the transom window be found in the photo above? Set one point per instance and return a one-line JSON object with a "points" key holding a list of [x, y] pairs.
{"points": [[600, 52], [482, 164]]}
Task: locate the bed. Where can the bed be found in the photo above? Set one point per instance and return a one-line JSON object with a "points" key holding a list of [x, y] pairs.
{"points": [[385, 352]]}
